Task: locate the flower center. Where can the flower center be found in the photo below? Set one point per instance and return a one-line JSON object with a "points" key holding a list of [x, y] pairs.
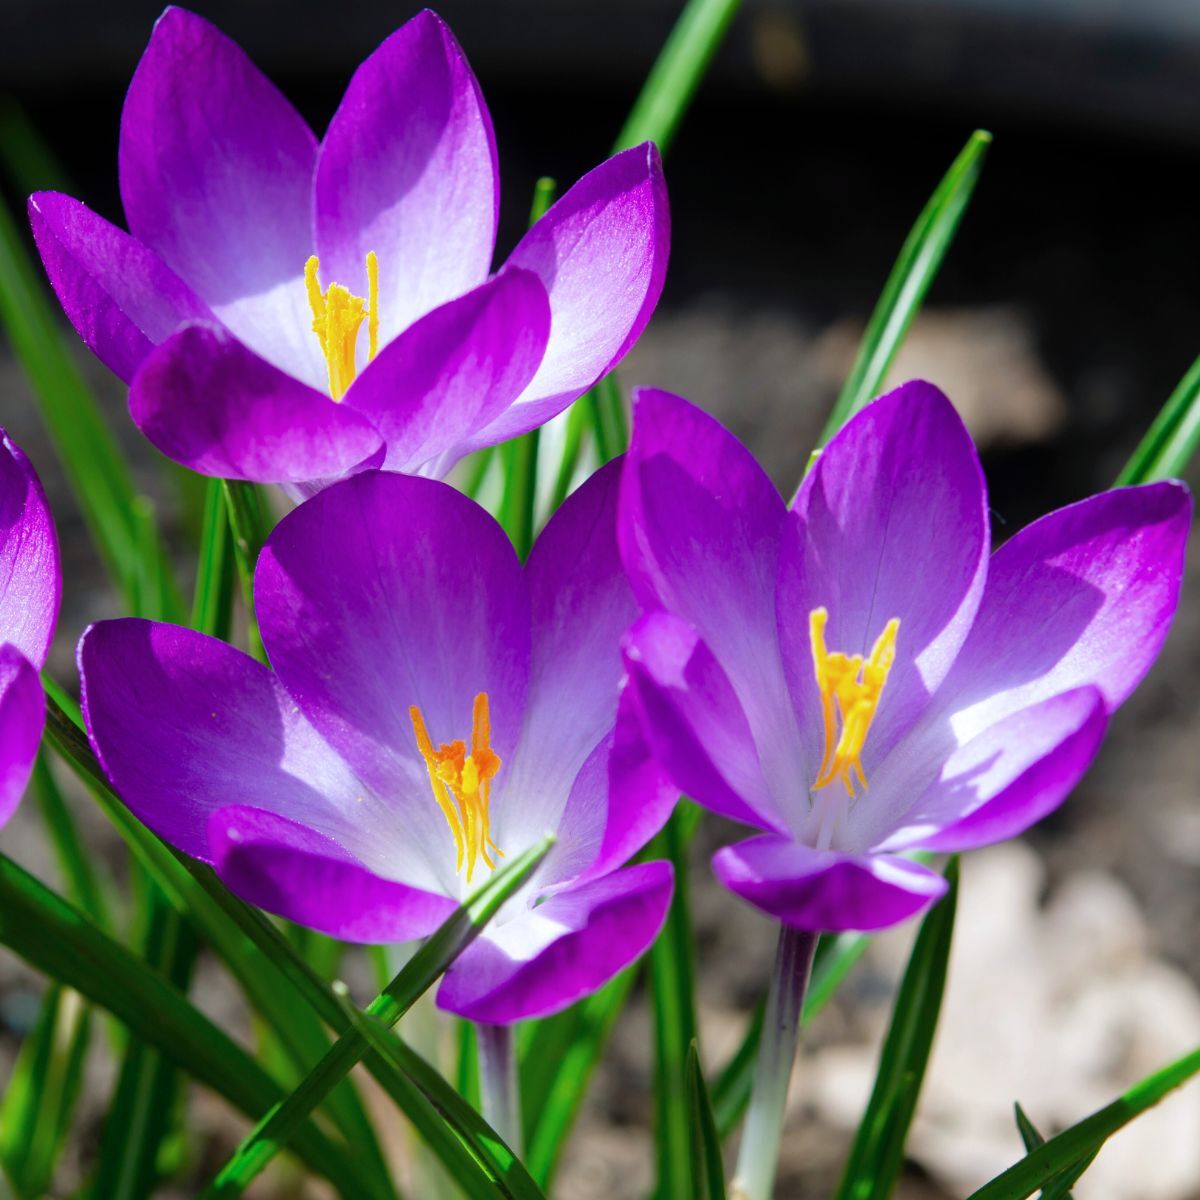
{"points": [[337, 314], [461, 785], [850, 693]]}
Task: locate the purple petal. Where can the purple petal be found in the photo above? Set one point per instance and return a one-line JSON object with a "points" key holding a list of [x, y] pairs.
{"points": [[298, 873], [120, 296], [30, 578], [572, 943], [216, 177], [447, 375], [22, 717], [185, 725], [890, 522], [615, 810], [699, 530], [209, 403], [694, 723], [580, 603], [408, 170], [1006, 778], [601, 251], [1084, 596], [387, 591], [822, 890]]}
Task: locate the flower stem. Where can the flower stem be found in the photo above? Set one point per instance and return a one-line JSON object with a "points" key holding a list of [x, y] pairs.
{"points": [[498, 1083], [759, 1153]]}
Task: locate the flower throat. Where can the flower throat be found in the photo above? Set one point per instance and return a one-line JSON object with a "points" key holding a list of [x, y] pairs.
{"points": [[462, 785], [851, 688], [337, 314]]}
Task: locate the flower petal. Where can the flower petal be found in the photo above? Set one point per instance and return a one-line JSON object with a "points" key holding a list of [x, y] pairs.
{"points": [[22, 717], [387, 591], [408, 170], [693, 721], [209, 403], [570, 944], [298, 873], [699, 531], [448, 374], [890, 522], [1084, 596], [622, 797], [184, 725], [580, 602], [216, 177], [120, 296], [1006, 778], [601, 251], [822, 890], [30, 577]]}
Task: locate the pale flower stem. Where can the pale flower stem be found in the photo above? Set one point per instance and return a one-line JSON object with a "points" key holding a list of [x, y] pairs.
{"points": [[498, 1084], [758, 1157]]}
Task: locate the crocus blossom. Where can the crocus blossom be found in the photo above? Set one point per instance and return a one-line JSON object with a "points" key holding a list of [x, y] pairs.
{"points": [[433, 706], [853, 674], [290, 311], [30, 589]]}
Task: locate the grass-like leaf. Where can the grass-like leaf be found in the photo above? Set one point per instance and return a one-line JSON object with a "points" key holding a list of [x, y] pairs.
{"points": [[920, 258], [57, 939], [675, 76], [42, 1092], [878, 1151], [557, 1058], [1172, 440], [708, 1165], [283, 1120], [672, 971], [1066, 1151]]}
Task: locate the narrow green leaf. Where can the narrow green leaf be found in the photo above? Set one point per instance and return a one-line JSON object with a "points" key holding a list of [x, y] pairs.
{"points": [[43, 1090], [213, 593], [477, 467], [672, 991], [281, 1122], [605, 407], [482, 1159], [77, 866], [920, 259], [572, 450], [557, 1061], [61, 942], [1032, 1138], [1066, 1150], [708, 1166], [147, 1089], [250, 526], [466, 1066], [878, 1151], [677, 73], [1171, 441]]}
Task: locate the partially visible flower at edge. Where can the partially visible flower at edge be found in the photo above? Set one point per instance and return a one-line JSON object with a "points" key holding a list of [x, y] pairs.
{"points": [[30, 591], [853, 675], [432, 706], [266, 275]]}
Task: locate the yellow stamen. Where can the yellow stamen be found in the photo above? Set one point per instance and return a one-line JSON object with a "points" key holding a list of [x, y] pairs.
{"points": [[851, 689], [337, 314], [468, 779]]}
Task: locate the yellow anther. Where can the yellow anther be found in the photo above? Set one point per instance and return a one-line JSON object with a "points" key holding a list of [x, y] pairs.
{"points": [[466, 779], [851, 689], [337, 314]]}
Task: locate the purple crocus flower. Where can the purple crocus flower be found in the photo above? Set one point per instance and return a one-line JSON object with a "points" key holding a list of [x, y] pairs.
{"points": [[30, 590], [267, 275], [853, 675], [433, 706]]}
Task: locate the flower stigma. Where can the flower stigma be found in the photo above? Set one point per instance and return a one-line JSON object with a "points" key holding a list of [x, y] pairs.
{"points": [[462, 783], [337, 314], [851, 688]]}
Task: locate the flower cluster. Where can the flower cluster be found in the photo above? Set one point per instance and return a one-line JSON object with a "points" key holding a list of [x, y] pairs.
{"points": [[853, 674]]}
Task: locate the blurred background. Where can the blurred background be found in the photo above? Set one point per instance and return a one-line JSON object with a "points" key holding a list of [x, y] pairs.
{"points": [[1066, 312]]}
